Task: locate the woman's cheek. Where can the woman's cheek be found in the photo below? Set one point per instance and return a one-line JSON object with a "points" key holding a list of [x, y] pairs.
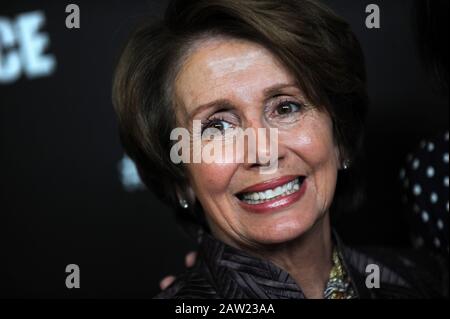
{"points": [[308, 145], [298, 140], [212, 178], [319, 142]]}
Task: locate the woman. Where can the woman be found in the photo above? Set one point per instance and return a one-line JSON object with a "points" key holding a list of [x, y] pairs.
{"points": [[289, 66]]}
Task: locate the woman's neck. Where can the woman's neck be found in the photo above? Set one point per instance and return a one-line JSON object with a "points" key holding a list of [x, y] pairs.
{"points": [[307, 259]]}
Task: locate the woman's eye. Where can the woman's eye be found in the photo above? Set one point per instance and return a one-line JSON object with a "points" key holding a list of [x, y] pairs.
{"points": [[287, 108], [216, 125]]}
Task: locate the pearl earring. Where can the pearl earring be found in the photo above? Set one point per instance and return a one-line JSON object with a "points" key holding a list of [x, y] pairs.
{"points": [[346, 164], [184, 204]]}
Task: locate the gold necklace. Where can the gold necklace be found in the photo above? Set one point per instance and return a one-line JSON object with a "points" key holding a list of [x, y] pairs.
{"points": [[338, 285]]}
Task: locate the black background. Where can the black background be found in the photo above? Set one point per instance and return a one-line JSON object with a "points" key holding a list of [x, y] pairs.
{"points": [[62, 201]]}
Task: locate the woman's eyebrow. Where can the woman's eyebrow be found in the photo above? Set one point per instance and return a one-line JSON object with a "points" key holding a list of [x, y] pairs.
{"points": [[277, 89], [217, 104], [226, 104]]}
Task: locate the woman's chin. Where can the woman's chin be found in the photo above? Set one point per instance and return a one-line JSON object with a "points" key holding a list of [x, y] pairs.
{"points": [[281, 226], [280, 231]]}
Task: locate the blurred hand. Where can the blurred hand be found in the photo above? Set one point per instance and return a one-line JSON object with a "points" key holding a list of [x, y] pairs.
{"points": [[189, 261]]}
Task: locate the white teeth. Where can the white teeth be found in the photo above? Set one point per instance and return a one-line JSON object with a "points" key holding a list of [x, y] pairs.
{"points": [[278, 191], [260, 197]]}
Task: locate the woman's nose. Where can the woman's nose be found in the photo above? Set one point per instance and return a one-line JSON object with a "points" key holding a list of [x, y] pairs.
{"points": [[265, 151]]}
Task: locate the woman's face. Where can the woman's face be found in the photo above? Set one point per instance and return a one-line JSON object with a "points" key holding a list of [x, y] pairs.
{"points": [[229, 84]]}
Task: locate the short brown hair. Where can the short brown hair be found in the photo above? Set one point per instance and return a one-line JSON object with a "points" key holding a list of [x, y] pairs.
{"points": [[317, 46]]}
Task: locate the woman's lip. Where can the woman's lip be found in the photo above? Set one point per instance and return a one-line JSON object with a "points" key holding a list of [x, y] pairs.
{"points": [[276, 203], [271, 184]]}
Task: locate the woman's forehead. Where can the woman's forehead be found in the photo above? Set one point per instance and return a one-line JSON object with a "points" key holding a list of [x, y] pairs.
{"points": [[228, 68]]}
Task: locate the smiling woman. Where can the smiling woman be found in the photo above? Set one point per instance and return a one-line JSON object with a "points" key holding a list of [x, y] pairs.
{"points": [[290, 66]]}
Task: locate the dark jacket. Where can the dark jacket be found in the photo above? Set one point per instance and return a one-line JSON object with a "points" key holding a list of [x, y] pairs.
{"points": [[224, 272]]}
